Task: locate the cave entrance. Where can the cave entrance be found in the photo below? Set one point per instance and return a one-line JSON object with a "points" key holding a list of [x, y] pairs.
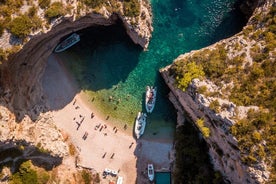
{"points": [[104, 56]]}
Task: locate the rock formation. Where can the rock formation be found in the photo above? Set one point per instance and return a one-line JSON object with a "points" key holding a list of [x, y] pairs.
{"points": [[21, 74], [224, 150]]}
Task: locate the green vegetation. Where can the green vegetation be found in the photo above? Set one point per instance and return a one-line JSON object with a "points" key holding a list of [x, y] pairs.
{"points": [[251, 132], [86, 176], [192, 159], [131, 8], [94, 3], [21, 26], [44, 3], [55, 10], [185, 72], [215, 106], [28, 173], [202, 90], [254, 83], [203, 129]]}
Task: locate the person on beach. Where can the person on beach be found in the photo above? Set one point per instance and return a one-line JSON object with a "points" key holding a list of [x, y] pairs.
{"points": [[92, 115], [130, 145], [112, 155]]}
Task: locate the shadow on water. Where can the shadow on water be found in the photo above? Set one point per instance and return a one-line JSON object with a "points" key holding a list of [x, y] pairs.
{"points": [[110, 58], [230, 20], [104, 57]]}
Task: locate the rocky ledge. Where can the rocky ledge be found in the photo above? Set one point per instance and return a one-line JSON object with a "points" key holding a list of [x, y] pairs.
{"points": [[21, 74], [224, 149]]}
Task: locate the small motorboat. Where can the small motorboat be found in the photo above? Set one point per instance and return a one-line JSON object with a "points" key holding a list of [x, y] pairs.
{"points": [[150, 98], [68, 42], [140, 124], [150, 172]]}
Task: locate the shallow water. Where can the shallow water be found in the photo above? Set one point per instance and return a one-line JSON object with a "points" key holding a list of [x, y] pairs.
{"points": [[114, 72]]}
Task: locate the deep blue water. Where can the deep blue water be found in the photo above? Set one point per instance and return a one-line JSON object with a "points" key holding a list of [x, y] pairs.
{"points": [[106, 63], [162, 177]]}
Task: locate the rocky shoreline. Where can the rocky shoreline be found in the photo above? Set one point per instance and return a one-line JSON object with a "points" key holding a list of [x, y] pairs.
{"points": [[223, 146], [23, 91]]}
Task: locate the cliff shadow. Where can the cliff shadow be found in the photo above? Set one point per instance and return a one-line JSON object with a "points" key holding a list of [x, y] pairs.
{"points": [[14, 153], [236, 19], [152, 152], [104, 57]]}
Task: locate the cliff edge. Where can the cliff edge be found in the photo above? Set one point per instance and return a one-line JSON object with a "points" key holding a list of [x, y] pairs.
{"points": [[25, 50], [228, 91]]}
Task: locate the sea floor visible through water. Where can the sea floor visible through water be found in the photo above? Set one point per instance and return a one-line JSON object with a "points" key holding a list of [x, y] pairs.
{"points": [[113, 72]]}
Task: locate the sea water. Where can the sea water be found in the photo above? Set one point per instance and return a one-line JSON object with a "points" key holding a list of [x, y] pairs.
{"points": [[114, 72]]}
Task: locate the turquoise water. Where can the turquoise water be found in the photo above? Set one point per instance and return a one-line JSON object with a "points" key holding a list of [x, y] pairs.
{"points": [[162, 177], [114, 72]]}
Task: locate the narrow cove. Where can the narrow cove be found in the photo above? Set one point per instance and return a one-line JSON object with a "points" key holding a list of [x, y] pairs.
{"points": [[113, 72]]}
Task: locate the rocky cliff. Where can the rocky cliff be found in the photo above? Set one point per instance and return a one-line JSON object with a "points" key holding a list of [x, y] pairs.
{"points": [[210, 98], [21, 74]]}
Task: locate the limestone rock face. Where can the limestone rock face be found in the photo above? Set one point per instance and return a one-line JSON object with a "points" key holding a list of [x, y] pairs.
{"points": [[38, 141], [21, 75], [42, 133], [223, 146]]}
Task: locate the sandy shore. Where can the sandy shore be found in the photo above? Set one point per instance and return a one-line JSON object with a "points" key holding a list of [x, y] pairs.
{"points": [[100, 144]]}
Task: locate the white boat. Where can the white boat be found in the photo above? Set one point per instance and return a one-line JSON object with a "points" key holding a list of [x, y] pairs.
{"points": [[68, 42], [140, 124], [150, 172], [150, 98]]}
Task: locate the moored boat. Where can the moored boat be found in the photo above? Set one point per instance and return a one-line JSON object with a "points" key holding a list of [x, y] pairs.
{"points": [[150, 98], [68, 42], [140, 124], [150, 172]]}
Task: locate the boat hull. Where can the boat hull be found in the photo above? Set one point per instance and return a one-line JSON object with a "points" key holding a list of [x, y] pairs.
{"points": [[150, 98], [140, 124], [150, 172], [67, 43]]}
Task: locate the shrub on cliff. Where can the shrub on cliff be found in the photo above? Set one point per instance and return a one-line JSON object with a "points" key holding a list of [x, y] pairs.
{"points": [[215, 106], [44, 3], [55, 10], [253, 133], [94, 3], [86, 176], [25, 174], [21, 26], [185, 72], [28, 173], [203, 129], [131, 8]]}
